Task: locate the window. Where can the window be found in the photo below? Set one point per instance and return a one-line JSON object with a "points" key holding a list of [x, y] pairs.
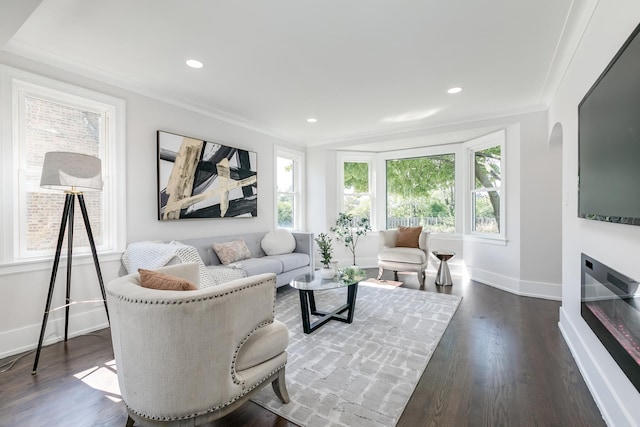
{"points": [[51, 116], [357, 187], [289, 204], [421, 191], [487, 203]]}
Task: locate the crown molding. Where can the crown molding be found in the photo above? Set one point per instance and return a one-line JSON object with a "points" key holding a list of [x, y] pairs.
{"points": [[44, 56]]}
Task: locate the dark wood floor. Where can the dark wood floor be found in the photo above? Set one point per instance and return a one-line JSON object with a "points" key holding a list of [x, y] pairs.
{"points": [[501, 362]]}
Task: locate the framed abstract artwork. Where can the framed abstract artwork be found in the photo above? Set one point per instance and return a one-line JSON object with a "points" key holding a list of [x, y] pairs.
{"points": [[202, 179]]}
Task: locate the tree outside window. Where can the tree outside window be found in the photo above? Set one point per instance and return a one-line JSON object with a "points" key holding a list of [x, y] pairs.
{"points": [[356, 199], [421, 191], [487, 178]]}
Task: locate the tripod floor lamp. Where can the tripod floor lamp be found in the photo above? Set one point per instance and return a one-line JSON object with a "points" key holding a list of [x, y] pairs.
{"points": [[74, 174]]}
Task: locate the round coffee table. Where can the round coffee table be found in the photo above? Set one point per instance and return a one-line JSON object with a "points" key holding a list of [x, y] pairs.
{"points": [[443, 278], [307, 284]]}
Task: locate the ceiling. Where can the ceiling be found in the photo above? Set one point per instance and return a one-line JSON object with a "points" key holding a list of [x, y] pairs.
{"points": [[365, 69]]}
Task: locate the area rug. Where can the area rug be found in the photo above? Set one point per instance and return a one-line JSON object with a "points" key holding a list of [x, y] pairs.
{"points": [[382, 282], [363, 373]]}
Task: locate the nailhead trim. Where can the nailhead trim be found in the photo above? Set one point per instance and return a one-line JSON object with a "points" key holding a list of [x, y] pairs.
{"points": [[194, 299], [236, 380], [208, 411]]}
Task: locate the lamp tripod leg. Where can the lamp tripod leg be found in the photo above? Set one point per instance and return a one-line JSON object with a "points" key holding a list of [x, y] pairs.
{"points": [[87, 225], [69, 264], [56, 261]]}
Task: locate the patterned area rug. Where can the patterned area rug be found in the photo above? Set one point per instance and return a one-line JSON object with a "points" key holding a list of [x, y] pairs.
{"points": [[382, 282], [363, 373]]}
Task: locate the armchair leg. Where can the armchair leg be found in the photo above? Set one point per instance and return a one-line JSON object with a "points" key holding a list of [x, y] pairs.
{"points": [[380, 271], [280, 387], [130, 422], [421, 278], [395, 276]]}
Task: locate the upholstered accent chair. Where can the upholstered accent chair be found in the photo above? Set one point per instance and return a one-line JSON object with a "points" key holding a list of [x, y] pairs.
{"points": [[392, 257], [185, 358]]}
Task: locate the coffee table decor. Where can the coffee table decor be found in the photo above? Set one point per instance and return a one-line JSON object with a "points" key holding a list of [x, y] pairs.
{"points": [[360, 374]]}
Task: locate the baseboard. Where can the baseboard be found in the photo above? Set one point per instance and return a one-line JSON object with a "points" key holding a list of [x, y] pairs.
{"points": [[19, 340], [525, 288], [603, 392]]}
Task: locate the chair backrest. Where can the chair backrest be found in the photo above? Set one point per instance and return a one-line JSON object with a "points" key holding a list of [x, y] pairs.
{"points": [[389, 238], [175, 350]]}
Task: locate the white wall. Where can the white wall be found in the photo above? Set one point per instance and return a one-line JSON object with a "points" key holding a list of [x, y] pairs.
{"points": [[24, 288], [613, 244], [529, 262]]}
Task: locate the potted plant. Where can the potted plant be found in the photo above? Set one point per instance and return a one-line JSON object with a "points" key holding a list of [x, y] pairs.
{"points": [[326, 253], [348, 230]]}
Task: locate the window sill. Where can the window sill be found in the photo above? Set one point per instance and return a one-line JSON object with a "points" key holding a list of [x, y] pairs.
{"points": [[23, 266]]}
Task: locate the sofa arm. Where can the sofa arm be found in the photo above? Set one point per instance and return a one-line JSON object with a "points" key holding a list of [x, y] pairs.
{"points": [[186, 342], [304, 244]]}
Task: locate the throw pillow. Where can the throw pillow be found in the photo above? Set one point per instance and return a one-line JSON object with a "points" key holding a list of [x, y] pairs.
{"points": [[233, 251], [408, 237], [278, 242], [164, 282]]}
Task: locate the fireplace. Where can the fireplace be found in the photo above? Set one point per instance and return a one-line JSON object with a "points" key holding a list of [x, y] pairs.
{"points": [[610, 304]]}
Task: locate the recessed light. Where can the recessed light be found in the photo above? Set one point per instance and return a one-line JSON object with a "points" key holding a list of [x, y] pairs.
{"points": [[312, 120], [455, 90], [194, 63]]}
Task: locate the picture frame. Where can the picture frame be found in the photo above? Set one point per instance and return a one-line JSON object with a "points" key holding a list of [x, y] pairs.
{"points": [[204, 179]]}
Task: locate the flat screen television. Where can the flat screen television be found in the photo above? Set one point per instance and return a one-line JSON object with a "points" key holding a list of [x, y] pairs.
{"points": [[609, 141]]}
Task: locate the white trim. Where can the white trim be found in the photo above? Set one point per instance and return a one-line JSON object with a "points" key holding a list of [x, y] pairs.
{"points": [[15, 85], [299, 178], [16, 341], [456, 149], [551, 291], [478, 144], [604, 393], [358, 157], [64, 63], [36, 264]]}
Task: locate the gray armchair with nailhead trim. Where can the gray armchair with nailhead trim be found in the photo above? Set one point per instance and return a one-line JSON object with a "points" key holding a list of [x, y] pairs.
{"points": [[190, 357]]}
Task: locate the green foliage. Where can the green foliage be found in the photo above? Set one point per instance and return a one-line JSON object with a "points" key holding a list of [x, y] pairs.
{"points": [[285, 212], [488, 174], [348, 230], [356, 176], [324, 247], [421, 175], [351, 274], [422, 187]]}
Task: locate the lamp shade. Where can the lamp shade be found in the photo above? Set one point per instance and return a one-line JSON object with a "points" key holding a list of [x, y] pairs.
{"points": [[71, 172]]}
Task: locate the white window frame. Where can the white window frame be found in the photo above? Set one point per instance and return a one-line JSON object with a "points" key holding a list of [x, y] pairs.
{"points": [[298, 182], [14, 86], [357, 157], [473, 146], [437, 150]]}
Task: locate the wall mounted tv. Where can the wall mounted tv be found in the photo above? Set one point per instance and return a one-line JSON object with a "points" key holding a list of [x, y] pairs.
{"points": [[609, 141]]}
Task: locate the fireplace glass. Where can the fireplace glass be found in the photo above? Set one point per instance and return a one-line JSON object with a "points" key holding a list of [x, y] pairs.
{"points": [[610, 305]]}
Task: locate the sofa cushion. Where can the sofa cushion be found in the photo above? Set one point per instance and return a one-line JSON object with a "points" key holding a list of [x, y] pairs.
{"points": [[278, 242], [228, 252], [261, 265], [264, 344], [292, 261], [408, 237], [164, 282], [405, 255]]}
